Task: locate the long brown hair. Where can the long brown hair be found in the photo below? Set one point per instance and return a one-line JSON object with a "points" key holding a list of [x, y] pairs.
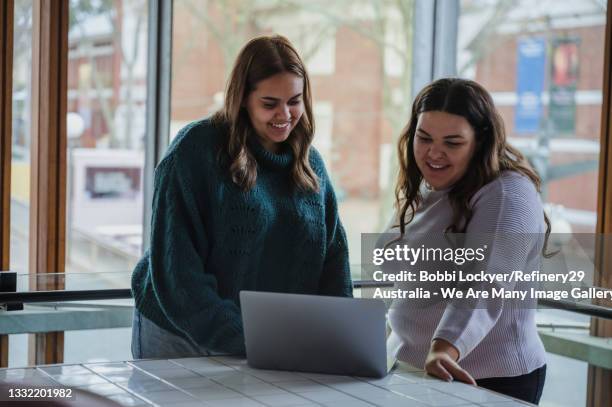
{"points": [[259, 59], [493, 154]]}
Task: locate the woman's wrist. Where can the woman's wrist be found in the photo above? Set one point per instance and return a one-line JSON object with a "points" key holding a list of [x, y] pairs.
{"points": [[442, 362], [441, 345]]}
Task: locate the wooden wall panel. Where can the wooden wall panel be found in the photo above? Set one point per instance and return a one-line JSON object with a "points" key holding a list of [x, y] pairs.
{"points": [[48, 160], [599, 388], [6, 133]]}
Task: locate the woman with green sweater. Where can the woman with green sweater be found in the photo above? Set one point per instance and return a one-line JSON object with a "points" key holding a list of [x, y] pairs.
{"points": [[242, 201]]}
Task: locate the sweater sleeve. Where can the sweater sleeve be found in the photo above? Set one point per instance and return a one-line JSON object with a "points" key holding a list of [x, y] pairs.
{"points": [[336, 276], [508, 221], [185, 291]]}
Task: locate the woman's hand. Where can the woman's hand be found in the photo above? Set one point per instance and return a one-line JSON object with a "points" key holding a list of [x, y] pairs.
{"points": [[441, 362]]}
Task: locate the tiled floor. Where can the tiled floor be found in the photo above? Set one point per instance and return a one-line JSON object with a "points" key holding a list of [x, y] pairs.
{"points": [[230, 382]]}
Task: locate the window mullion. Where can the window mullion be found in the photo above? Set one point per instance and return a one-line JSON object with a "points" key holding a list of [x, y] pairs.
{"points": [[48, 168], [6, 91], [159, 75]]}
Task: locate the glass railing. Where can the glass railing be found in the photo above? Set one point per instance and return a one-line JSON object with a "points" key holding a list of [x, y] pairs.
{"points": [[73, 281], [95, 328]]}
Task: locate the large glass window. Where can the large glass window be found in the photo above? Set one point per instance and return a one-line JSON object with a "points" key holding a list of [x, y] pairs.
{"points": [[20, 161], [106, 126], [106, 108], [542, 62], [543, 65], [358, 57]]}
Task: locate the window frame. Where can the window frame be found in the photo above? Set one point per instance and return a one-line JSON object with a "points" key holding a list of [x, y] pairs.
{"points": [[434, 42], [599, 379], [6, 104], [47, 239], [159, 78]]}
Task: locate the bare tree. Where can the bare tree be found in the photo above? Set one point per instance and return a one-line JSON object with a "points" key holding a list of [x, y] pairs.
{"points": [[486, 39], [81, 12], [390, 29]]}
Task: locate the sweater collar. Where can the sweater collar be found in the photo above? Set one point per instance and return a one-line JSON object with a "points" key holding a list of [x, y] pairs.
{"points": [[283, 159]]}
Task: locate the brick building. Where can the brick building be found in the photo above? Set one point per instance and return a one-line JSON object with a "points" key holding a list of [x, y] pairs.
{"points": [[576, 190]]}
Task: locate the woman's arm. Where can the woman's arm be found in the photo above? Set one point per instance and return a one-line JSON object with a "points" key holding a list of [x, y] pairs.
{"points": [[185, 290], [507, 219], [336, 275]]}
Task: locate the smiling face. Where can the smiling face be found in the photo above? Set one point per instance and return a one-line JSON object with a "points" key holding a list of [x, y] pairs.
{"points": [[275, 106], [444, 145]]}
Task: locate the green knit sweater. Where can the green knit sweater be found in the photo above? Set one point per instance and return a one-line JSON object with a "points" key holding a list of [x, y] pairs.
{"points": [[210, 240]]}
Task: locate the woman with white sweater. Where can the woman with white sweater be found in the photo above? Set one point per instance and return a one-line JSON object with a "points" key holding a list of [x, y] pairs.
{"points": [[459, 175]]}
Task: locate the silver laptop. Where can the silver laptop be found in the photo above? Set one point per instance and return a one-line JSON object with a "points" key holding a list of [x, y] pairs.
{"points": [[311, 333]]}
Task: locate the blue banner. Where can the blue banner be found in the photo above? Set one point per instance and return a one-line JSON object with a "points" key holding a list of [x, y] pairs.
{"points": [[531, 65]]}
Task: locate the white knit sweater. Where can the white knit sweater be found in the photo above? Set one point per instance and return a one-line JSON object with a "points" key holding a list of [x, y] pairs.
{"points": [[496, 338]]}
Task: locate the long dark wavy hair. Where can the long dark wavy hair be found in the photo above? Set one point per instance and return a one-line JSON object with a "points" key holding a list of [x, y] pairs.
{"points": [[261, 58], [493, 154]]}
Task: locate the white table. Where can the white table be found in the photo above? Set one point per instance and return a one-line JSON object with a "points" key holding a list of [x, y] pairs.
{"points": [[230, 382]]}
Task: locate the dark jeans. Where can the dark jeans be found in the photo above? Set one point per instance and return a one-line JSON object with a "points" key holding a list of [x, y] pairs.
{"points": [[527, 387], [151, 341]]}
